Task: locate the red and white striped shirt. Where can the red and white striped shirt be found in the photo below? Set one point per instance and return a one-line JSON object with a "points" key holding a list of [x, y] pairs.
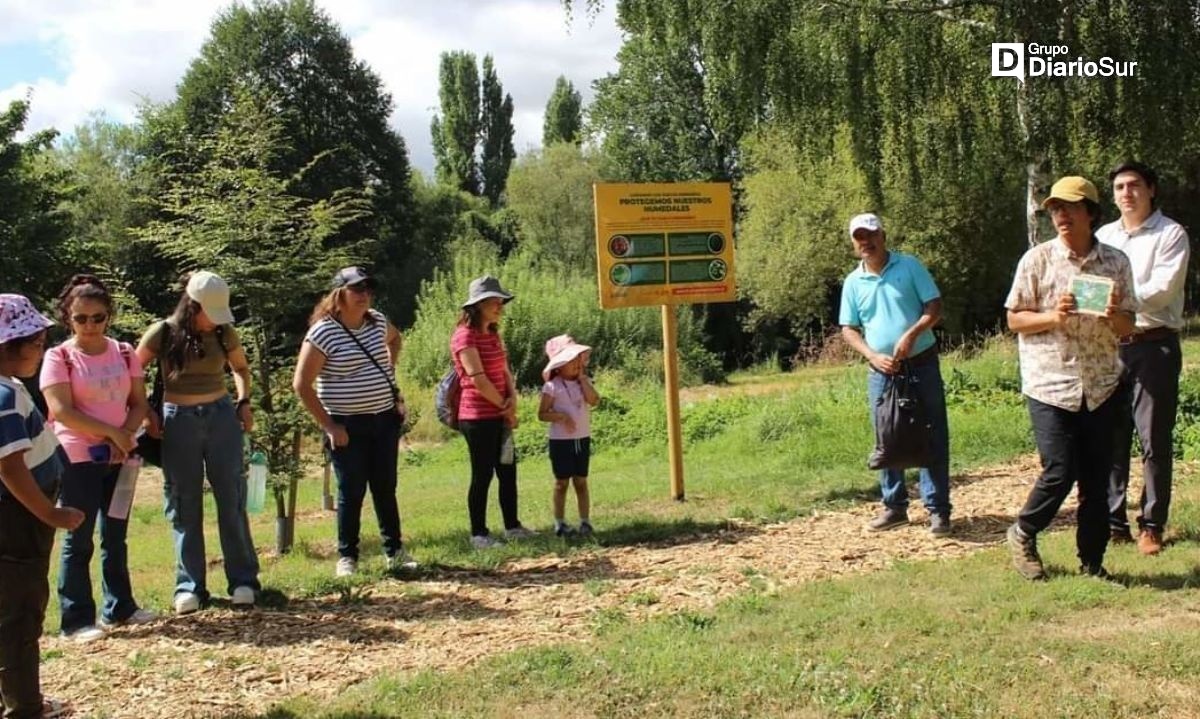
{"points": [[474, 405]]}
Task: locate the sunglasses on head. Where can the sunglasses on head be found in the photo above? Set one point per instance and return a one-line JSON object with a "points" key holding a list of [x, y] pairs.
{"points": [[97, 319]]}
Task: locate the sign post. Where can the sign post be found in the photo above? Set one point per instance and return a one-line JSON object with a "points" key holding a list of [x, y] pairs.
{"points": [[665, 244]]}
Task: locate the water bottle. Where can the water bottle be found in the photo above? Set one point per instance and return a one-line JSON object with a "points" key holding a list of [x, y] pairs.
{"points": [[256, 482], [507, 450], [122, 498]]}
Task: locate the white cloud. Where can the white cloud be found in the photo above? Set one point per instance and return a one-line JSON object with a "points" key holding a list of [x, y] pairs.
{"points": [[116, 53]]}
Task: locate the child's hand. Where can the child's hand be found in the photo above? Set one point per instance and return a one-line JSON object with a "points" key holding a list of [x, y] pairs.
{"points": [[569, 423], [67, 518]]}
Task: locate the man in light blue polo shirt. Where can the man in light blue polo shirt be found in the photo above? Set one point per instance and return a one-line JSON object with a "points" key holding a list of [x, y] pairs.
{"points": [[889, 306]]}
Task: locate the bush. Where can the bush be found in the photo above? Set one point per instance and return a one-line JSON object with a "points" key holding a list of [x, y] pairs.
{"points": [[548, 303]]}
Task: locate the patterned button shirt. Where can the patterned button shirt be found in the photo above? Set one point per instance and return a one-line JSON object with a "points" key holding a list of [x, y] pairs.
{"points": [[1076, 362]]}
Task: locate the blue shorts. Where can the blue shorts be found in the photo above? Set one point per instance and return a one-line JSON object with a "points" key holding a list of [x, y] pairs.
{"points": [[569, 457]]}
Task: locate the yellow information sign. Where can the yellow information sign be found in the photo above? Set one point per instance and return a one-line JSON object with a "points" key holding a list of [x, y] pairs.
{"points": [[664, 243]]}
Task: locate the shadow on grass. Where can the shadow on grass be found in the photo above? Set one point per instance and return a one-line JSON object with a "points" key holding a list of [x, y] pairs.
{"points": [[289, 714]]}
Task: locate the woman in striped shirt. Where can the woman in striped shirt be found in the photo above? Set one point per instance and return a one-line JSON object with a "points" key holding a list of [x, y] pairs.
{"points": [[487, 410], [350, 353]]}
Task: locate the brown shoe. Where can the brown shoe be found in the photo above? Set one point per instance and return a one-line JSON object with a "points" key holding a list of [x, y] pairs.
{"points": [[1150, 541], [1025, 557]]}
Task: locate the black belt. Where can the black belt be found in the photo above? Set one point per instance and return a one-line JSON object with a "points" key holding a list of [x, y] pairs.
{"points": [[1154, 334]]}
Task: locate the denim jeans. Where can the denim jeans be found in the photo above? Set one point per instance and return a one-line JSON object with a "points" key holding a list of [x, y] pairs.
{"points": [[1070, 444], [935, 479], [89, 488], [200, 440], [25, 545], [484, 438], [367, 462]]}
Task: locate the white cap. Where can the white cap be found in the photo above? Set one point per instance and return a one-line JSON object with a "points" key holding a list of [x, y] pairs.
{"points": [[213, 295], [865, 221]]}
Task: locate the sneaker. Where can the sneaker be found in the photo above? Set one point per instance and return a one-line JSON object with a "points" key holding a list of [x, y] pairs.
{"points": [[1025, 555], [939, 525], [402, 560], [83, 635], [519, 532], [888, 518], [564, 530], [186, 603], [1150, 541], [242, 597], [485, 541], [585, 529], [140, 616], [346, 567], [1120, 535]]}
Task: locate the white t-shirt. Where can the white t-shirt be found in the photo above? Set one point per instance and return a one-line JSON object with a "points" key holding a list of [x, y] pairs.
{"points": [[568, 399]]}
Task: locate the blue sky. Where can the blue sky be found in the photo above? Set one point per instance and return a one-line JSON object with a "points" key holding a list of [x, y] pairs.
{"points": [[80, 57]]}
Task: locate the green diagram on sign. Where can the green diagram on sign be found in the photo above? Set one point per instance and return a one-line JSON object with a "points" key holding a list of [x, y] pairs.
{"points": [[627, 274], [698, 271], [637, 245], [696, 243]]}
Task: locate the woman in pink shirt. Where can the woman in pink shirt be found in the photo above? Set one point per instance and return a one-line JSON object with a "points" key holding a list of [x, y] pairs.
{"points": [[487, 410], [97, 399]]}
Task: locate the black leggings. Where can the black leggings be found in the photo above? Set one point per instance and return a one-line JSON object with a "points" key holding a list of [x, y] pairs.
{"points": [[484, 437]]}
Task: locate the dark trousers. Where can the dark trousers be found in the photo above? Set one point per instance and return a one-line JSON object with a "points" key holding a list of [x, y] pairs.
{"points": [[367, 462], [1149, 397], [484, 437], [25, 545], [1067, 442], [89, 488]]}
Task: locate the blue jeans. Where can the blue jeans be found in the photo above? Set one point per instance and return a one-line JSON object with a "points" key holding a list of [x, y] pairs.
{"points": [[368, 461], [200, 440], [935, 480], [89, 488]]}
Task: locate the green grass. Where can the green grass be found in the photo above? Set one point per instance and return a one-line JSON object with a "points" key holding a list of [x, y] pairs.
{"points": [[947, 638]]}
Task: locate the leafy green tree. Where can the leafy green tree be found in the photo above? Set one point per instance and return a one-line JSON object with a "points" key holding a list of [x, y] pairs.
{"points": [[456, 130], [35, 232], [237, 215], [564, 114], [550, 190], [333, 113], [496, 134]]}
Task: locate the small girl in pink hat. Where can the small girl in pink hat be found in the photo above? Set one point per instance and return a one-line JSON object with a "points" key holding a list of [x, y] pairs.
{"points": [[567, 397]]}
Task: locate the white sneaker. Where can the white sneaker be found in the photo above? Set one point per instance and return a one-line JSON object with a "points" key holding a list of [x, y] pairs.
{"points": [[186, 603], [141, 616], [485, 541], [520, 533], [242, 597], [402, 560], [84, 635], [346, 567]]}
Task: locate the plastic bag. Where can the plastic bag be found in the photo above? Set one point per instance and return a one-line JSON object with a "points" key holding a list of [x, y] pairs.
{"points": [[903, 432]]}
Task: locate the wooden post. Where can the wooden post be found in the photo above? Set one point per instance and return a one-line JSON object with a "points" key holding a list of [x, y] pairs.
{"points": [[671, 377]]}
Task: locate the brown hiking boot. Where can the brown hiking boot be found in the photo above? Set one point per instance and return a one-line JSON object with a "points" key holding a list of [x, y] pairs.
{"points": [[888, 518], [1025, 555], [1150, 541]]}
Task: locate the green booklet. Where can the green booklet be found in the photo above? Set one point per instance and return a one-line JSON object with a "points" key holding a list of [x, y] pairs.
{"points": [[1091, 293]]}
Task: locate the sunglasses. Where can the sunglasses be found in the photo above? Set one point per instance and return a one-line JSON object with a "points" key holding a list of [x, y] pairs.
{"points": [[97, 319]]}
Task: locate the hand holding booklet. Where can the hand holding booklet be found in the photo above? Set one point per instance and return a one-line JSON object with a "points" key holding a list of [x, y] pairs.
{"points": [[1091, 294]]}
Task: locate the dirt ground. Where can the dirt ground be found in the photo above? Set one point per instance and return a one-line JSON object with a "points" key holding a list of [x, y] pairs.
{"points": [[213, 662]]}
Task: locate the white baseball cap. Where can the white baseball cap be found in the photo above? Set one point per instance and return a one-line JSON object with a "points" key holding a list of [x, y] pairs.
{"points": [[213, 295], [865, 221]]}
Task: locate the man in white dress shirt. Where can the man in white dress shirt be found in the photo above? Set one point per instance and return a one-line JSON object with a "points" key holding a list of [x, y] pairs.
{"points": [[1157, 247]]}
